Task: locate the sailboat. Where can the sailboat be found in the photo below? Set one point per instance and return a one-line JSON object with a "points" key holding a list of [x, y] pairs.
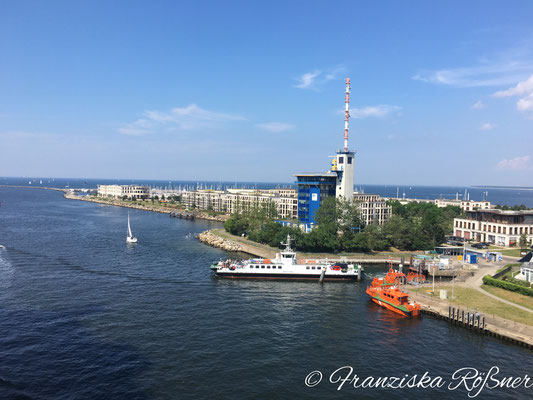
{"points": [[130, 238]]}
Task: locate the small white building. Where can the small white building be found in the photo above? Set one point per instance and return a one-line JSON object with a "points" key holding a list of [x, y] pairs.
{"points": [[526, 272], [466, 205], [119, 191]]}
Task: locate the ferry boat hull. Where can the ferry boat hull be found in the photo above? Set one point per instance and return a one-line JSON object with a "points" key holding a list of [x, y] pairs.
{"points": [[287, 276]]}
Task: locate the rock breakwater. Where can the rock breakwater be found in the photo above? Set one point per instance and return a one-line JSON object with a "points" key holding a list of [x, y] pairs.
{"points": [[211, 239]]}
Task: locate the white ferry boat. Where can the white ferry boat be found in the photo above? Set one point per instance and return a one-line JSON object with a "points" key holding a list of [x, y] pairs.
{"points": [[285, 266]]}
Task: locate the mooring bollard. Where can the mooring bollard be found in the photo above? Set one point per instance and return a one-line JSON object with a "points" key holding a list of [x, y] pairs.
{"points": [[322, 275]]}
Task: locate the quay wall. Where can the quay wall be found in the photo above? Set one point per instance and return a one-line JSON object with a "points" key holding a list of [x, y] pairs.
{"points": [[502, 328]]}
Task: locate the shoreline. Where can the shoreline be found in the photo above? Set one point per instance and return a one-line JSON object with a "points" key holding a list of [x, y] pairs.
{"points": [[68, 194], [153, 208]]}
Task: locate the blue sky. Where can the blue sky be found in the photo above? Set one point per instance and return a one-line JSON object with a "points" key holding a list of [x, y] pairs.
{"points": [[442, 93]]}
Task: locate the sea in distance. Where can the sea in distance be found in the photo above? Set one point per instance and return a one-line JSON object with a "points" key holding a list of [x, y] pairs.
{"points": [[495, 194], [84, 315]]}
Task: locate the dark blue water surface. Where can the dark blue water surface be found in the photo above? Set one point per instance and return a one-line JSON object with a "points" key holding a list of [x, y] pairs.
{"points": [[83, 315], [496, 195]]}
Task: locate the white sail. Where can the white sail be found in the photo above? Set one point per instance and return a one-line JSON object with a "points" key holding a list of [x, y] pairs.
{"points": [[129, 227], [130, 238]]}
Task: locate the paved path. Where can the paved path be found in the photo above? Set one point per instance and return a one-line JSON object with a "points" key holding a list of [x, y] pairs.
{"points": [[476, 281]]}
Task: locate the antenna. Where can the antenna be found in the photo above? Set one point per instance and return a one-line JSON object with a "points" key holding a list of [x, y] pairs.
{"points": [[346, 114]]}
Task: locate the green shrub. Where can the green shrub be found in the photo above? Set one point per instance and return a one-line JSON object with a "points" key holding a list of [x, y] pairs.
{"points": [[489, 280], [518, 281]]}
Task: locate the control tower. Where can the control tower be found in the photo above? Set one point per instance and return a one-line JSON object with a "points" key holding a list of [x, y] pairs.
{"points": [[343, 162]]}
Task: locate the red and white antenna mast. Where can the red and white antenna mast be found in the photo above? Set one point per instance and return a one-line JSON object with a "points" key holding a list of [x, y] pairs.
{"points": [[346, 114]]}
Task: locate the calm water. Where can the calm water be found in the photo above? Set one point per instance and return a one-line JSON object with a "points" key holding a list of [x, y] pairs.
{"points": [[85, 316], [503, 196]]}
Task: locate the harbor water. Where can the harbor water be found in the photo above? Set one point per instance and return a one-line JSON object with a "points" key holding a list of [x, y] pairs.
{"points": [[84, 315]]}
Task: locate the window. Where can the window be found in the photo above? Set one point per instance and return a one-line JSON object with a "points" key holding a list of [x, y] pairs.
{"points": [[341, 160], [257, 266], [312, 267], [306, 267], [349, 160], [262, 266], [268, 266]]}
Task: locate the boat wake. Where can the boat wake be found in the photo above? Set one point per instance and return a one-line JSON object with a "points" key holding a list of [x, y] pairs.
{"points": [[6, 269]]}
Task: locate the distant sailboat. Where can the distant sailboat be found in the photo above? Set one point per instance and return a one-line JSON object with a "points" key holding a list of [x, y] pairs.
{"points": [[130, 238]]}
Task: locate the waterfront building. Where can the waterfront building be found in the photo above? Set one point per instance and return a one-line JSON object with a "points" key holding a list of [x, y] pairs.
{"points": [[466, 205], [502, 228], [374, 209], [238, 200], [119, 191], [312, 190]]}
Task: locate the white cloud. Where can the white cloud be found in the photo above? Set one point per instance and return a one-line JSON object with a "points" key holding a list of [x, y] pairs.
{"points": [[306, 80], [523, 89], [478, 105], [188, 118], [379, 111], [487, 126], [517, 163], [275, 126], [313, 80], [525, 103], [482, 75]]}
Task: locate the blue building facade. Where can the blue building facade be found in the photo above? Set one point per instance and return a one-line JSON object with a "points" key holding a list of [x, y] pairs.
{"points": [[312, 190]]}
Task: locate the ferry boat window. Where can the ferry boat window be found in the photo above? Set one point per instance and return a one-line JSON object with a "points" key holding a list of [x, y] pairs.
{"points": [[257, 266], [312, 267], [306, 267], [262, 266], [268, 266], [280, 267]]}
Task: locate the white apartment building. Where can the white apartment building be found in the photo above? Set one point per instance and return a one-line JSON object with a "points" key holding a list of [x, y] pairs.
{"points": [[234, 200], [374, 209], [118, 191], [466, 205], [502, 228]]}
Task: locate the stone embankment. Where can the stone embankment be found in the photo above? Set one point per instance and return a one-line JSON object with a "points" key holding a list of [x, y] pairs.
{"points": [[211, 239], [145, 207]]}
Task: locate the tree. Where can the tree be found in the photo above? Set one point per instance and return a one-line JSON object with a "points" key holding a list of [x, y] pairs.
{"points": [[523, 241]]}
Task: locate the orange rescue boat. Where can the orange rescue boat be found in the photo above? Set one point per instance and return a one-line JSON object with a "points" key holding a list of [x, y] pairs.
{"points": [[386, 293]]}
